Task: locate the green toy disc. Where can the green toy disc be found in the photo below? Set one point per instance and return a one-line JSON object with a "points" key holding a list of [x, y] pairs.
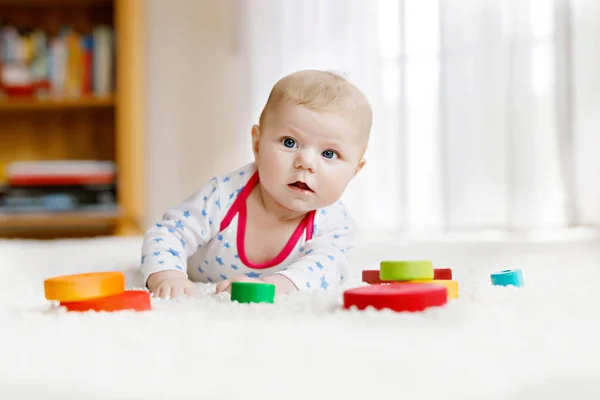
{"points": [[252, 292], [405, 270]]}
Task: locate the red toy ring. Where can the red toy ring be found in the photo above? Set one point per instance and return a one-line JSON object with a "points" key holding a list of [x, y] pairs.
{"points": [[137, 300], [397, 297], [442, 274], [371, 276]]}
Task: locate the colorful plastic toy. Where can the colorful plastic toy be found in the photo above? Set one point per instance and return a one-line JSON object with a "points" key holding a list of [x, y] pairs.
{"points": [[451, 286], [405, 270], [508, 277], [371, 276], [397, 297], [252, 292], [80, 287], [95, 291], [137, 300], [442, 273]]}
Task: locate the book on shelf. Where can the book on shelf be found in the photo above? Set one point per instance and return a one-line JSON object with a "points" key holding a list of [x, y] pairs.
{"points": [[59, 186], [69, 64]]}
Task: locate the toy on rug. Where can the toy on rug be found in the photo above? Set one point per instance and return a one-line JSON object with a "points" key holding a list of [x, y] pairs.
{"points": [[252, 292], [412, 272], [508, 277], [95, 291], [416, 286], [396, 297]]}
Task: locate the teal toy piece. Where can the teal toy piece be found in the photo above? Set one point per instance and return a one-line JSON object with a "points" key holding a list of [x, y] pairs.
{"points": [[508, 277]]}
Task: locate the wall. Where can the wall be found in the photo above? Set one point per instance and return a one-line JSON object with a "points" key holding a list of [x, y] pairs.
{"points": [[197, 125]]}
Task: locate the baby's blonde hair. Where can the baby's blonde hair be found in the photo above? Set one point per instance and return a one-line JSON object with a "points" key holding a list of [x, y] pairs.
{"points": [[321, 91]]}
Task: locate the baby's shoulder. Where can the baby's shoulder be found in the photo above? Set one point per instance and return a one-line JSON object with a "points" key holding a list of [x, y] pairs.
{"points": [[235, 179], [333, 217]]}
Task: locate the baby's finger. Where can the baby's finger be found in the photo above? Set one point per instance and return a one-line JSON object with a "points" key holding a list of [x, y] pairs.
{"points": [[164, 292], [190, 291], [177, 291], [223, 285]]}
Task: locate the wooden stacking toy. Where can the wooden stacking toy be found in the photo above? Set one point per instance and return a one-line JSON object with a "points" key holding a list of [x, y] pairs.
{"points": [[424, 281], [95, 291]]}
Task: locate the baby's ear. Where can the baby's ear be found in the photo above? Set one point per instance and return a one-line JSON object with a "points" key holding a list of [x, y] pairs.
{"points": [[255, 138], [360, 165]]}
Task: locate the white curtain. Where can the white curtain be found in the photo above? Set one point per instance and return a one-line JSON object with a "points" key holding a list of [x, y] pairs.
{"points": [[486, 113]]}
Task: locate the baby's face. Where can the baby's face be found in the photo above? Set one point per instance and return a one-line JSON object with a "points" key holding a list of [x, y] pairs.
{"points": [[307, 158]]}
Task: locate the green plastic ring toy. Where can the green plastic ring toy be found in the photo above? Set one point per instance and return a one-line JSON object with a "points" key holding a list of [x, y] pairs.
{"points": [[405, 270], [252, 292]]}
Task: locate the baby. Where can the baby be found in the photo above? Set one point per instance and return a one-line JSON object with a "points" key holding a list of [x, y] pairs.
{"points": [[278, 219]]}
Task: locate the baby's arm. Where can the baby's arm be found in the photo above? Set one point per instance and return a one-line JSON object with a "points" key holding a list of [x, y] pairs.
{"points": [[168, 244]]}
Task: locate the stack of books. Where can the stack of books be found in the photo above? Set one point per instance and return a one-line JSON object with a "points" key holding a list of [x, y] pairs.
{"points": [[59, 186]]}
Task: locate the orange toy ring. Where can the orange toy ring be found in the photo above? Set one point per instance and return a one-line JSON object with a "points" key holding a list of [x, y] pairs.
{"points": [[86, 286], [137, 300]]}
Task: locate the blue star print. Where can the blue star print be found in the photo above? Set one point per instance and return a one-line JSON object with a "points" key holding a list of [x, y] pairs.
{"points": [[186, 214], [308, 285], [226, 179], [158, 225], [226, 245], [320, 266], [204, 213], [222, 276], [220, 238], [233, 266], [173, 252], [161, 262], [218, 203], [178, 267], [220, 260], [252, 274], [143, 258], [310, 251], [156, 253], [158, 240], [324, 283], [231, 196], [331, 258], [200, 269], [178, 224]]}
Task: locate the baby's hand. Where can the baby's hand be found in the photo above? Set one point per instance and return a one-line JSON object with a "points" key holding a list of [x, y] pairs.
{"points": [[226, 284], [170, 284]]}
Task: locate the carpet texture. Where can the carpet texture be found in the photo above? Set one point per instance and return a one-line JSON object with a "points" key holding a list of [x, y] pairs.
{"points": [[540, 341]]}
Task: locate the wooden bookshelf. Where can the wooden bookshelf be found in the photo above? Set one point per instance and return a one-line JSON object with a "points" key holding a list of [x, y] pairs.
{"points": [[106, 127], [52, 104]]}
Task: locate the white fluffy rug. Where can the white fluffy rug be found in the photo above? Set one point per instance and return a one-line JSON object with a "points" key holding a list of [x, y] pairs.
{"points": [[541, 341]]}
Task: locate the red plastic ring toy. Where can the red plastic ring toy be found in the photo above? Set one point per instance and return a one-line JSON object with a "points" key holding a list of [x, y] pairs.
{"points": [[371, 276], [137, 300], [398, 297], [442, 274]]}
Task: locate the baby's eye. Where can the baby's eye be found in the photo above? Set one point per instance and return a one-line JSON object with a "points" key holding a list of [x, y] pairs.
{"points": [[289, 143], [329, 154]]}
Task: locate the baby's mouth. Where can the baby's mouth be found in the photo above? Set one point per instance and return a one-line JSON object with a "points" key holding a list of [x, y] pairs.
{"points": [[301, 185]]}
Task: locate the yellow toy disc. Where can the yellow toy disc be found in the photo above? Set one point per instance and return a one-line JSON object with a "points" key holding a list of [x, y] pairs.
{"points": [[405, 270], [86, 286], [451, 286]]}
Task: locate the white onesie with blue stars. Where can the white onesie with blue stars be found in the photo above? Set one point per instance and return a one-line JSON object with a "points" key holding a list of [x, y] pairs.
{"points": [[204, 238]]}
